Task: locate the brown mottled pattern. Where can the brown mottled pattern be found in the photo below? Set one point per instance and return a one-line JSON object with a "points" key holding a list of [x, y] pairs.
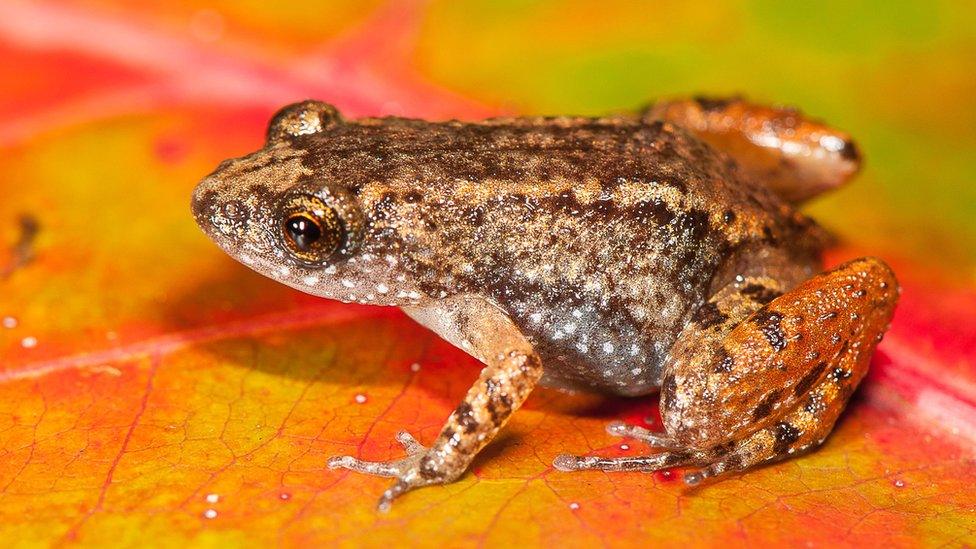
{"points": [[598, 236], [775, 366], [615, 254]]}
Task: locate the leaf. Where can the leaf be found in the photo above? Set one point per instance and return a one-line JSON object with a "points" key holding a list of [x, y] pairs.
{"points": [[151, 389]]}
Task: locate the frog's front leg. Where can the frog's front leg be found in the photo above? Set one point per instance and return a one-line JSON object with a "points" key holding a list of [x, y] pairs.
{"points": [[737, 394], [511, 372]]}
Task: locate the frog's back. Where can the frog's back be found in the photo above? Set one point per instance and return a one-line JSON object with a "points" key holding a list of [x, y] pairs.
{"points": [[536, 154], [597, 236]]}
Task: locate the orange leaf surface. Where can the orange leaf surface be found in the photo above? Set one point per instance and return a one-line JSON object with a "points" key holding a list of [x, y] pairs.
{"points": [[153, 390]]}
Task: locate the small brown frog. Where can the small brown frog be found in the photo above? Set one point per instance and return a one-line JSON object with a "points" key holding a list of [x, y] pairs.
{"points": [[626, 255]]}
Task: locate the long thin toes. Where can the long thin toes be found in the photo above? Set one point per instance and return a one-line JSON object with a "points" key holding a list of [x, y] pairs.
{"points": [[409, 443], [566, 462], [398, 489], [340, 462], [654, 462], [383, 469], [694, 478], [621, 429]]}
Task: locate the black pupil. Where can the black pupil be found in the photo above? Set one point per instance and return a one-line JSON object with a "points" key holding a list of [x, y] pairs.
{"points": [[303, 231]]}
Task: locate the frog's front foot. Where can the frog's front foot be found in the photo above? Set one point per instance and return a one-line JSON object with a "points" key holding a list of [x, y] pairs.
{"points": [[391, 468], [410, 471]]}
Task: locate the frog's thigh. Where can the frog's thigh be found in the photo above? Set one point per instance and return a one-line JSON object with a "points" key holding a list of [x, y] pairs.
{"points": [[778, 381], [795, 156]]}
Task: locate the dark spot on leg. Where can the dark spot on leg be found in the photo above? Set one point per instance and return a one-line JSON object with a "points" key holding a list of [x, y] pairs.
{"points": [[725, 362], [850, 151], [532, 362], [493, 411], [760, 293], [712, 103], [412, 197], [765, 406], [843, 349], [708, 315], [728, 216], [769, 324], [838, 375], [499, 408], [733, 462], [428, 469], [827, 316], [785, 435], [465, 418], [720, 450], [675, 458], [808, 380]]}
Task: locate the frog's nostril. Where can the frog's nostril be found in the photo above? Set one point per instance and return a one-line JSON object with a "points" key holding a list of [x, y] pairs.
{"points": [[235, 210]]}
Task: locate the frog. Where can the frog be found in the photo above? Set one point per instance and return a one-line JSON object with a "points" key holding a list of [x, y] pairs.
{"points": [[660, 252]]}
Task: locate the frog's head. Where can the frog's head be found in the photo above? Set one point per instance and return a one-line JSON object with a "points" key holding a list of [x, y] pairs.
{"points": [[272, 213]]}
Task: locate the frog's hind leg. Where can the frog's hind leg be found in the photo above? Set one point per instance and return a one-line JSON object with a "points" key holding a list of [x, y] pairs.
{"points": [[795, 156], [739, 393]]}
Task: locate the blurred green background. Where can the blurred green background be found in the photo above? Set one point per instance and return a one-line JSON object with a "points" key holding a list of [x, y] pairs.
{"points": [[899, 76]]}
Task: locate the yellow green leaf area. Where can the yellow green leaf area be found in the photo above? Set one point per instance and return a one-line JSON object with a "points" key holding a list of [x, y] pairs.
{"points": [[210, 413]]}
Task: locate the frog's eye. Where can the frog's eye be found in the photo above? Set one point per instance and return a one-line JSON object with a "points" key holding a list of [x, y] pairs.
{"points": [[303, 231], [313, 232], [305, 118]]}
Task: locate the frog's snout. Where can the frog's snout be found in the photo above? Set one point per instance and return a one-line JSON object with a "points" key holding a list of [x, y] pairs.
{"points": [[203, 204], [218, 216]]}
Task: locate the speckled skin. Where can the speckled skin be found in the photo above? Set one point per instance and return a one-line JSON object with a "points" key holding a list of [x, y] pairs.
{"points": [[608, 254]]}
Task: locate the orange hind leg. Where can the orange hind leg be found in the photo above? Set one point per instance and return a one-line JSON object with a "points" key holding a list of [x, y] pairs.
{"points": [[737, 394], [794, 155]]}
